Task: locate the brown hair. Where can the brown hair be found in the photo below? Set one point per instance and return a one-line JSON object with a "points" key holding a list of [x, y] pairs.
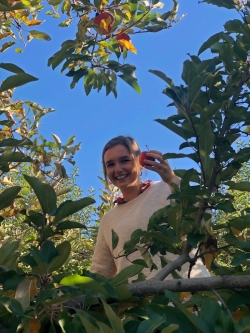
{"points": [[126, 141]]}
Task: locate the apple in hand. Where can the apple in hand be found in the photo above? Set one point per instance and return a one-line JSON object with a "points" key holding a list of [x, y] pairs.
{"points": [[143, 156]]}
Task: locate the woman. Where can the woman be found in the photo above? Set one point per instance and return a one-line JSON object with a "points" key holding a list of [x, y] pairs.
{"points": [[134, 207]]}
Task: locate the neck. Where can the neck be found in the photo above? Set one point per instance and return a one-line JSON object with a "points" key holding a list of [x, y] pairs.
{"points": [[131, 192]]}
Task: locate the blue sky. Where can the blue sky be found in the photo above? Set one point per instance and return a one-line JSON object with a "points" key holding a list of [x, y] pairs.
{"points": [[95, 119]]}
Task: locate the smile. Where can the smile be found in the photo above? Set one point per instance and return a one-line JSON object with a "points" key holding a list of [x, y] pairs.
{"points": [[121, 177]]}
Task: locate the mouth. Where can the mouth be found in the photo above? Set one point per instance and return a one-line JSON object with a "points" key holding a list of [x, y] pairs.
{"points": [[121, 177]]}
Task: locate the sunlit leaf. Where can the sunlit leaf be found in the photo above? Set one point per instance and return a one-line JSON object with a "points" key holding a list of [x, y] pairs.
{"points": [[16, 81], [39, 35]]}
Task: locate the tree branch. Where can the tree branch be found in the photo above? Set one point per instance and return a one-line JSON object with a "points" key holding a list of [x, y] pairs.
{"points": [[154, 287]]}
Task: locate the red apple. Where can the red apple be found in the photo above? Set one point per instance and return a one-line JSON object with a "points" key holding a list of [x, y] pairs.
{"points": [[106, 17], [143, 156], [122, 36]]}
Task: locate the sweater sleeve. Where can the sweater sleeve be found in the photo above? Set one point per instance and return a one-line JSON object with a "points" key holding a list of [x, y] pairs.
{"points": [[103, 262]]}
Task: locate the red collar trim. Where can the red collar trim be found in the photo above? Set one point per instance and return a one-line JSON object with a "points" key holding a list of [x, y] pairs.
{"points": [[120, 200]]}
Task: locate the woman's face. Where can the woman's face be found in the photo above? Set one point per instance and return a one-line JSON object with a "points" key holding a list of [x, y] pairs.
{"points": [[121, 168]]}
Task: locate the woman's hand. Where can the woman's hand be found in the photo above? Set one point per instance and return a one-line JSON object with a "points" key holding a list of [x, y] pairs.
{"points": [[162, 167]]}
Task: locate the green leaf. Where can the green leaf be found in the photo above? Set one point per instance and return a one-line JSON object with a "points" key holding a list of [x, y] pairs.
{"points": [[8, 196], [76, 279], [235, 300], [175, 217], [226, 54], [115, 239], [163, 76], [17, 80], [90, 284], [126, 273], [169, 156], [70, 207], [150, 325], [14, 157], [234, 26], [63, 249], [69, 225], [168, 123], [11, 68], [242, 186], [226, 206], [12, 305], [6, 45], [209, 111], [22, 294], [64, 321], [229, 4], [241, 259], [44, 192], [114, 320], [46, 254], [43, 295], [57, 140], [39, 35], [15, 143], [194, 239], [7, 251], [196, 321], [131, 81], [206, 141], [88, 322], [209, 312], [54, 2], [171, 328], [211, 41]]}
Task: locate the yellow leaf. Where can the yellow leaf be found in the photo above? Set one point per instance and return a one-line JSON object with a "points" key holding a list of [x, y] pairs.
{"points": [[34, 326], [100, 51], [128, 45], [90, 246], [128, 14], [105, 23], [184, 296], [33, 22], [2, 36], [237, 315], [237, 233], [208, 258], [33, 290], [105, 2]]}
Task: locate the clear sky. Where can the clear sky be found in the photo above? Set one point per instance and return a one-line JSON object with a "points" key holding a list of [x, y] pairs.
{"points": [[96, 119]]}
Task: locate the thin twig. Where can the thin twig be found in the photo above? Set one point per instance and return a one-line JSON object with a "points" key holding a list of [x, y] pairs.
{"points": [[223, 303]]}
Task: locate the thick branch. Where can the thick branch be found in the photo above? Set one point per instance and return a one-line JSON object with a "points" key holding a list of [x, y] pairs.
{"points": [[177, 263], [153, 287]]}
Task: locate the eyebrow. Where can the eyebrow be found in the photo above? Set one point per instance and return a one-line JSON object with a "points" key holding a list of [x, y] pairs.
{"points": [[120, 158]]}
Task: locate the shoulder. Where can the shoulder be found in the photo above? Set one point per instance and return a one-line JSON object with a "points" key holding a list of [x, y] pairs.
{"points": [[109, 216], [161, 186]]}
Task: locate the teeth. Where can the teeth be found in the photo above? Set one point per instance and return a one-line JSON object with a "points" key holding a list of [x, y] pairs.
{"points": [[121, 177]]}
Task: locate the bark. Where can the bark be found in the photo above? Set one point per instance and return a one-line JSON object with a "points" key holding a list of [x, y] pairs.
{"points": [[156, 287]]}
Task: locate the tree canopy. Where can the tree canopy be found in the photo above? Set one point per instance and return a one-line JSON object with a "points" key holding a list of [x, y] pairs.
{"points": [[47, 238]]}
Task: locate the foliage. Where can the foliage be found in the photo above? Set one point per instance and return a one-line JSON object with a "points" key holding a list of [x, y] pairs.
{"points": [[211, 114], [94, 54]]}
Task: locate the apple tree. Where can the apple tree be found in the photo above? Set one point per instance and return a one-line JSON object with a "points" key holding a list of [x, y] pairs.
{"points": [[210, 113], [103, 36]]}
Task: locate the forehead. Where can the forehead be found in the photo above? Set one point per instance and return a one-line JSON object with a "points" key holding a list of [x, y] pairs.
{"points": [[116, 152]]}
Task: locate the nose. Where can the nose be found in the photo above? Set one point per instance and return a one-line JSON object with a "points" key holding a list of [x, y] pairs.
{"points": [[118, 168]]}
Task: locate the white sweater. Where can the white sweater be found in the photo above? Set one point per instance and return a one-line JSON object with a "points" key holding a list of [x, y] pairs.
{"points": [[126, 218]]}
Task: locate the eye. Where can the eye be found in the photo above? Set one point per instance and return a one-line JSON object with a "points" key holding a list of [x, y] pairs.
{"points": [[126, 160], [109, 165]]}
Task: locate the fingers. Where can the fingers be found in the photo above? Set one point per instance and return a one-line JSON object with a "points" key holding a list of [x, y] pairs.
{"points": [[155, 154]]}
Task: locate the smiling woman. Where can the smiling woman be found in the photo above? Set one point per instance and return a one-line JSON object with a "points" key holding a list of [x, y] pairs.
{"points": [[134, 207]]}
